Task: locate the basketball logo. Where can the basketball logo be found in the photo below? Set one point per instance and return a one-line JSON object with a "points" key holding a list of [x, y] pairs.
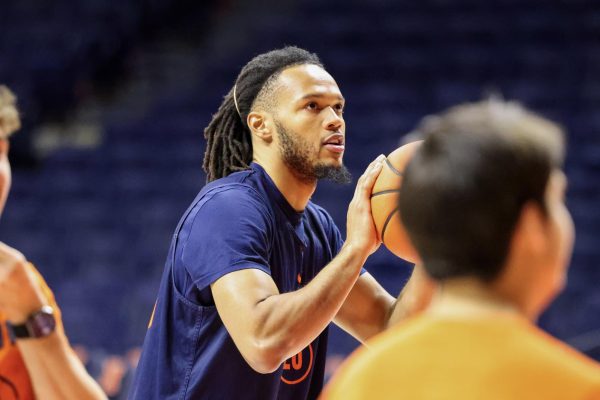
{"points": [[297, 368]]}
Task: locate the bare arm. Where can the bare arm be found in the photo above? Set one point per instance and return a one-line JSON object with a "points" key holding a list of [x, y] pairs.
{"points": [[366, 310], [414, 297], [54, 370], [268, 327], [370, 309]]}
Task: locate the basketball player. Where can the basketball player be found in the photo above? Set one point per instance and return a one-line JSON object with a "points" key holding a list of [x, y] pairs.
{"points": [[36, 360], [256, 271], [496, 235]]}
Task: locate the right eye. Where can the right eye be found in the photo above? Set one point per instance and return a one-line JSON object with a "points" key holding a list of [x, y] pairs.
{"points": [[312, 106]]}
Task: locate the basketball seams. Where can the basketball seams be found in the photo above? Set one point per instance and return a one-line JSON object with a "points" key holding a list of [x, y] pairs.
{"points": [[384, 202], [385, 192], [387, 221], [392, 168], [389, 217]]}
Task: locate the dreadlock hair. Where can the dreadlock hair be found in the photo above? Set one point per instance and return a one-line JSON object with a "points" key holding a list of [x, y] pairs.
{"points": [[229, 144]]}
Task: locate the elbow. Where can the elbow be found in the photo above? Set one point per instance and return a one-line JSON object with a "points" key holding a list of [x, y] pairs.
{"points": [[265, 358], [263, 366]]}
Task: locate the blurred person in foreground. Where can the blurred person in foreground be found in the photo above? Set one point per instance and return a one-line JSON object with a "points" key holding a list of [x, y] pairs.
{"points": [[483, 203], [36, 360]]}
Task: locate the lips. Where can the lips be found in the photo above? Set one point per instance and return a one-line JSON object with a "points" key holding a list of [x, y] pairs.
{"points": [[334, 143]]}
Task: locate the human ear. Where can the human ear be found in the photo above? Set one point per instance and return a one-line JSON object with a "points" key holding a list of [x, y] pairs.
{"points": [[532, 228], [259, 126]]}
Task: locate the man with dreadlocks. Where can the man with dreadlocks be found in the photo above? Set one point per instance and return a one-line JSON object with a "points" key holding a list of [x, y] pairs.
{"points": [[255, 271]]}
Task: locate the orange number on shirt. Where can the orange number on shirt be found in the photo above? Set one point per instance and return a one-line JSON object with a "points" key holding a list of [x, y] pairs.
{"points": [[296, 362]]}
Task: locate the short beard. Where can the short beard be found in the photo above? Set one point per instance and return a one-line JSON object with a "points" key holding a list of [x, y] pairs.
{"points": [[295, 153]]}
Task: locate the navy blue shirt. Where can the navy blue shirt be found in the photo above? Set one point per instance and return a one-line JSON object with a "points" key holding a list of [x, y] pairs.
{"points": [[238, 222]]}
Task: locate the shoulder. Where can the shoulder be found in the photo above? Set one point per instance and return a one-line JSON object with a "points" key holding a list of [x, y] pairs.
{"points": [[233, 192], [230, 198], [363, 371], [238, 185], [555, 355], [380, 350], [224, 208]]}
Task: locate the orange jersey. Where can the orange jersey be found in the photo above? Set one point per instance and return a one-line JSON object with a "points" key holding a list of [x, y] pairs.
{"points": [[14, 379], [492, 358]]}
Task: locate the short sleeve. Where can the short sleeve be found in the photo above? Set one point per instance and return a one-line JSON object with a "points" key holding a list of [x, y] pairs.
{"points": [[229, 231]]}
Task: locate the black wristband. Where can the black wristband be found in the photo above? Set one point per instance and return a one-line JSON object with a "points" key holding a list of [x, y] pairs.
{"points": [[20, 331], [39, 324]]}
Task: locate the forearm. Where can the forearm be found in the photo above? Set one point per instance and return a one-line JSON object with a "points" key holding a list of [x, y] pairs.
{"points": [[55, 371], [366, 310], [414, 297], [287, 322]]}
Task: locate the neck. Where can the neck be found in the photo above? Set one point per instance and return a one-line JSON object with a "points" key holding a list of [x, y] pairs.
{"points": [[296, 191], [469, 297]]}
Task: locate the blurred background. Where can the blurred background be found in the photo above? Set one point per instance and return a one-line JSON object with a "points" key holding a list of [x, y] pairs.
{"points": [[115, 97]]}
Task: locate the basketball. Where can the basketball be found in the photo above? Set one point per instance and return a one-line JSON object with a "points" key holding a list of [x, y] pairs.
{"points": [[384, 203]]}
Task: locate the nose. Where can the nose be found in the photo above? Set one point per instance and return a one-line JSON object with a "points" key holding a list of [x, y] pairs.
{"points": [[333, 121]]}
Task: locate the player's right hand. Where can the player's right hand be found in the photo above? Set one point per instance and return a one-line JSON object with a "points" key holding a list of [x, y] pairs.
{"points": [[20, 293], [360, 228]]}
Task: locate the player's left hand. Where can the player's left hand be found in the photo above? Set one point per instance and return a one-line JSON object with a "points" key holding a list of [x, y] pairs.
{"points": [[360, 228], [20, 294]]}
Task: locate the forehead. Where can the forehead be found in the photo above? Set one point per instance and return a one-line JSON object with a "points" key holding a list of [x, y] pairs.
{"points": [[302, 80]]}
